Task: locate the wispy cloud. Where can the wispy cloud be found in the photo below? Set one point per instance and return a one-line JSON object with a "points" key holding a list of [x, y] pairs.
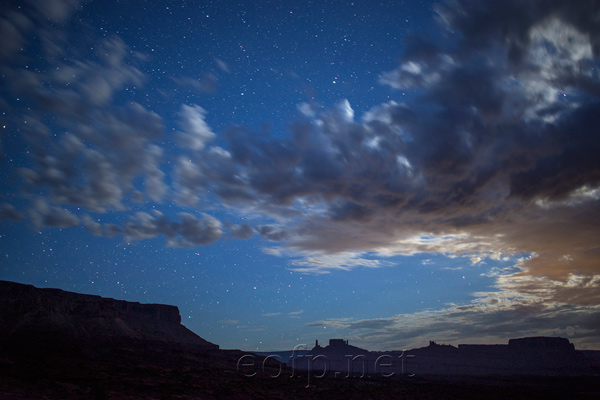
{"points": [[273, 314], [295, 314], [229, 322], [519, 305]]}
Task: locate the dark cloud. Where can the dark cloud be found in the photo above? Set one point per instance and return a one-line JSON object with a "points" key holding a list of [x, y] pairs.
{"points": [[13, 26], [86, 151], [44, 215], [272, 233], [243, 231], [9, 212], [510, 23], [57, 11], [192, 231], [154, 181], [101, 148], [17, 25], [572, 166], [99, 229], [95, 163], [187, 231]]}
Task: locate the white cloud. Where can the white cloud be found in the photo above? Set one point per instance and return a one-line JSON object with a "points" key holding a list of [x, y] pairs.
{"points": [[273, 314], [196, 132]]}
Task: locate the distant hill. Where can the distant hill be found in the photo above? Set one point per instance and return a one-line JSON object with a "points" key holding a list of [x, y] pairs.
{"points": [[541, 356]]}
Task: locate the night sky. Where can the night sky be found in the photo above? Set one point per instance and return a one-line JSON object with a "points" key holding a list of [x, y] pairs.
{"points": [[283, 171]]}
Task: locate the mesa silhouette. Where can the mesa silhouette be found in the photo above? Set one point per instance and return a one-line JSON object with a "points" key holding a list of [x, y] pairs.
{"points": [[35, 317], [56, 344], [540, 356]]}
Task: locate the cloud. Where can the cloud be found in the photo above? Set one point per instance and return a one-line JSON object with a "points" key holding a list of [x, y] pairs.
{"points": [[76, 84], [319, 262], [188, 231], [491, 156], [295, 314], [154, 182], [86, 152], [13, 26], [273, 314], [518, 304], [17, 24], [243, 231], [44, 215], [495, 153], [477, 324], [196, 131], [494, 156], [95, 163], [56, 10], [272, 232], [493, 317], [9, 212], [222, 65], [229, 322]]}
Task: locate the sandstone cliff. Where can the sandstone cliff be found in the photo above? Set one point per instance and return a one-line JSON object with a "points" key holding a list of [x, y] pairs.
{"points": [[54, 314]]}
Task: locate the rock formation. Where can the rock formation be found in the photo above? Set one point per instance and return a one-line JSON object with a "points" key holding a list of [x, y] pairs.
{"points": [[61, 345], [548, 356], [42, 315]]}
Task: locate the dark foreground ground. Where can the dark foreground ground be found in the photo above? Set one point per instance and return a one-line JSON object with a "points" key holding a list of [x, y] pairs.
{"points": [[151, 372]]}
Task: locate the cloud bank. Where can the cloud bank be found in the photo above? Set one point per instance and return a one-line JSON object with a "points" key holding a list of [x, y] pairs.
{"points": [[497, 151], [517, 305]]}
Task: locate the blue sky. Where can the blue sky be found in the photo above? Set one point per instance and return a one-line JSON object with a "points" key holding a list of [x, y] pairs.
{"points": [[388, 172]]}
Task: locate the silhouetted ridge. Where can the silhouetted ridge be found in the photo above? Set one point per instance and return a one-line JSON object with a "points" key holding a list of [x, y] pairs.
{"points": [[336, 346], [27, 311], [524, 356], [541, 342]]}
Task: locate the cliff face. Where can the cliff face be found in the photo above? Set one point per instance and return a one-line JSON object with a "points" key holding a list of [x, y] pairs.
{"points": [[27, 311]]}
